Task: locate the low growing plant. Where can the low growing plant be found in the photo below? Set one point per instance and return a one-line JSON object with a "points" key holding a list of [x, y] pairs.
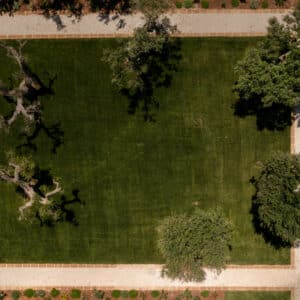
{"points": [[178, 4], [205, 4], [54, 293], [279, 2], [155, 293], [116, 294], [2, 295], [223, 3], [254, 4], [205, 294], [235, 3], [265, 4], [99, 294], [29, 293], [124, 294], [40, 293], [15, 295], [75, 294], [133, 294], [188, 3]]}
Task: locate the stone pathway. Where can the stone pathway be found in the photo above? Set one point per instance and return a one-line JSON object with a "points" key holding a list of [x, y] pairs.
{"points": [[240, 23]]}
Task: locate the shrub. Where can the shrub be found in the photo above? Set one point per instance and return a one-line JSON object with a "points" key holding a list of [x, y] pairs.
{"points": [[235, 3], [40, 293], [116, 293], [155, 293], [124, 294], [188, 3], [205, 4], [54, 293], [2, 295], [29, 293], [133, 294], [223, 4], [265, 4], [205, 294], [279, 2], [178, 4], [15, 295], [64, 297], [99, 294], [75, 294], [196, 298], [254, 4]]}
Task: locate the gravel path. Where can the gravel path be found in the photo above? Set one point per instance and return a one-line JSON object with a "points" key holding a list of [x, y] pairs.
{"points": [[198, 24]]}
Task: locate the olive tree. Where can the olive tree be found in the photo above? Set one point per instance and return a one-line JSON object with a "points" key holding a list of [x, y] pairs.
{"points": [[190, 242], [277, 199]]}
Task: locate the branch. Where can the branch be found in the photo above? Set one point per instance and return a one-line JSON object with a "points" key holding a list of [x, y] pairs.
{"points": [[57, 189]]}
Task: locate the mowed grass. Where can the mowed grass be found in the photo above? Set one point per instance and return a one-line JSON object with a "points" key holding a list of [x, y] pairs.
{"points": [[258, 295], [132, 173]]}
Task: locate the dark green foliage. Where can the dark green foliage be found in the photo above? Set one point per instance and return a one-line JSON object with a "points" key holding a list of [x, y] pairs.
{"points": [[279, 2], [9, 6], [235, 3], [2, 295], [15, 295], [205, 294], [107, 7], [124, 294], [268, 82], [276, 205], [265, 4], [99, 294], [223, 3], [250, 295], [189, 242], [155, 293], [188, 3], [54, 293], [75, 294], [205, 4], [254, 4], [178, 4], [40, 293], [29, 293], [116, 293], [144, 63], [133, 294]]}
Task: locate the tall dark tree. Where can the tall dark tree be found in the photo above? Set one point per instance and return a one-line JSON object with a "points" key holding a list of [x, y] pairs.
{"points": [[276, 205], [268, 78], [190, 242]]}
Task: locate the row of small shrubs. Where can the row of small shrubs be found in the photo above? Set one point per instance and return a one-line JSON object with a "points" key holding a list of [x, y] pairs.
{"points": [[189, 4]]}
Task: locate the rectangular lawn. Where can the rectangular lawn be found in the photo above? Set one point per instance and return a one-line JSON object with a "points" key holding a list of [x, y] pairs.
{"points": [[258, 295], [130, 173]]}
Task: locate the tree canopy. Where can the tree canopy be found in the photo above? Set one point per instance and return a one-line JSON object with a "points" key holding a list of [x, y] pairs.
{"points": [[268, 77], [190, 242], [144, 62], [276, 205]]}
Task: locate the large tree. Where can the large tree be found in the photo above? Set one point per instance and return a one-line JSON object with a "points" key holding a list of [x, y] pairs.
{"points": [[268, 78], [144, 62], [190, 242], [38, 189], [276, 205]]}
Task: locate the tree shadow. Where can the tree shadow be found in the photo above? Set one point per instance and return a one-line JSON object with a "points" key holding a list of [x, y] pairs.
{"points": [[57, 20], [161, 67], [107, 7], [106, 18], [275, 117], [269, 238]]}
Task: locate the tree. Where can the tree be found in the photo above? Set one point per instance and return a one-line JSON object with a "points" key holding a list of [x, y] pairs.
{"points": [[276, 204], [190, 242], [269, 75], [9, 6], [144, 62], [38, 189]]}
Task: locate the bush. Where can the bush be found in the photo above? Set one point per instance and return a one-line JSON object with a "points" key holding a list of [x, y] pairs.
{"points": [[124, 294], [40, 293], [155, 294], [205, 4], [223, 4], [196, 298], [2, 295], [99, 294], [178, 4], [279, 2], [188, 3], [265, 4], [15, 295], [235, 3], [75, 294], [205, 294], [116, 293], [54, 293], [254, 4], [29, 293], [133, 294]]}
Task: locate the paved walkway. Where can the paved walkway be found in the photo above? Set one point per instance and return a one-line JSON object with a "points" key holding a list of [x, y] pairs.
{"points": [[91, 25]]}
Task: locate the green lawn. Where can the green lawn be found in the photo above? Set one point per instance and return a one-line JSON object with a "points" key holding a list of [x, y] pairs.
{"points": [[258, 296], [132, 173]]}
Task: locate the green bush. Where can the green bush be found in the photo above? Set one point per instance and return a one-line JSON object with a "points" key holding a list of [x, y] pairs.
{"points": [[29, 293], [155, 294], [124, 294], [265, 4], [196, 298], [178, 4], [205, 4], [40, 293], [205, 294], [133, 294], [15, 295], [235, 3], [279, 2], [223, 3], [75, 294], [99, 294], [54, 293], [188, 3], [116, 293], [254, 4], [2, 295]]}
